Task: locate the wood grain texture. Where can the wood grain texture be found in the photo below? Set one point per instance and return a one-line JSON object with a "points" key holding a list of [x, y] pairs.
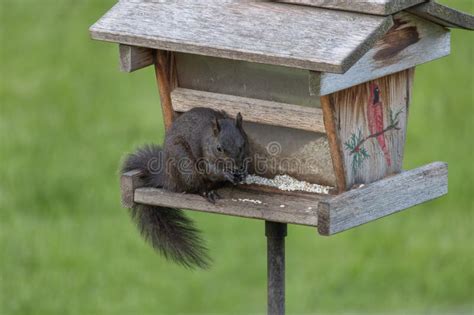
{"points": [[129, 181], [241, 203], [331, 213], [382, 198], [379, 7], [334, 143], [443, 15], [253, 110], [263, 32], [166, 81], [371, 127], [134, 58], [410, 42]]}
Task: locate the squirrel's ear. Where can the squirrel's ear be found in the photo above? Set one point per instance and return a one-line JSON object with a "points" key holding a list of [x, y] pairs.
{"points": [[215, 126], [238, 120]]}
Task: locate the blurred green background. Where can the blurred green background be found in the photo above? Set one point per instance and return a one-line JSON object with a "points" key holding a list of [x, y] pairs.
{"points": [[68, 116]]}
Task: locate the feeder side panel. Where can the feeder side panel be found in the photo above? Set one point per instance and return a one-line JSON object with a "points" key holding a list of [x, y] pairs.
{"points": [[371, 125]]}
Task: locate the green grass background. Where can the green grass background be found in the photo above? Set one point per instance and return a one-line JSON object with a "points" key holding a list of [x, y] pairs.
{"points": [[67, 247]]}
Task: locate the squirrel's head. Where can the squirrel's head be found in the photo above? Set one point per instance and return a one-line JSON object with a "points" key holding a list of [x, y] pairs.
{"points": [[228, 148]]}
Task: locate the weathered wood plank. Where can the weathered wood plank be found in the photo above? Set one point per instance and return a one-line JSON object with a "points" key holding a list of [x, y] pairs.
{"points": [[263, 32], [134, 58], [129, 181], [382, 198], [241, 203], [332, 214], [166, 81], [443, 15], [334, 143], [253, 110], [410, 42], [379, 7], [371, 126]]}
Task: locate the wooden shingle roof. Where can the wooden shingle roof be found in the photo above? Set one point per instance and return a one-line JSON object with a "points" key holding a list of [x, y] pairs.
{"points": [[427, 9], [267, 32], [318, 35], [443, 15], [378, 7]]}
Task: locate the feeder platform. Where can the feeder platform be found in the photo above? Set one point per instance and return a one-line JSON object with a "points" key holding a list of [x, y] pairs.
{"points": [[330, 213]]}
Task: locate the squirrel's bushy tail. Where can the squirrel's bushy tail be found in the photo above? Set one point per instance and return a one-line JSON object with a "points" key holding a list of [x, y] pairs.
{"points": [[168, 230], [172, 234]]}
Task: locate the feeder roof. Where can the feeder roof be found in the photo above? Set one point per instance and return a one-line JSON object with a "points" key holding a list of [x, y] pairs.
{"points": [[429, 10], [313, 36], [379, 7], [266, 32]]}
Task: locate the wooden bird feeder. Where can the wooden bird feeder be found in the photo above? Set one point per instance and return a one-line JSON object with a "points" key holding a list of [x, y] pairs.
{"points": [[324, 83]]}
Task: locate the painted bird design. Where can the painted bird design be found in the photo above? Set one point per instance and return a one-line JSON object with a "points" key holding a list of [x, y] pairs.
{"points": [[375, 119]]}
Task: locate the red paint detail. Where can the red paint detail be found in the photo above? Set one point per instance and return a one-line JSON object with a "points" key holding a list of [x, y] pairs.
{"points": [[375, 119]]}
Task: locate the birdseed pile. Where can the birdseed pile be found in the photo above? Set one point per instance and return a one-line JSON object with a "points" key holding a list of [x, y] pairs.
{"points": [[287, 183]]}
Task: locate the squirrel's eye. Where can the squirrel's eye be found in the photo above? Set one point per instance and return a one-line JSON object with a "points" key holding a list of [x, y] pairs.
{"points": [[219, 148]]}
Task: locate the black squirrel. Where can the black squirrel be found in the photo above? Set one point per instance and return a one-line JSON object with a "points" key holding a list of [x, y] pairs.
{"points": [[203, 150]]}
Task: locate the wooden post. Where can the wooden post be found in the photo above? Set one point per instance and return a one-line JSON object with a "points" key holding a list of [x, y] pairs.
{"points": [[334, 142], [166, 81], [276, 233]]}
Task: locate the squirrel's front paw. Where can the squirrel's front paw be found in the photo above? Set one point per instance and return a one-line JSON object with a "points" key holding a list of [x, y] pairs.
{"points": [[234, 178], [212, 196]]}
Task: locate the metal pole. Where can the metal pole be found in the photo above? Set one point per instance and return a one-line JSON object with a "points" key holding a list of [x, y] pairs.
{"points": [[275, 233]]}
